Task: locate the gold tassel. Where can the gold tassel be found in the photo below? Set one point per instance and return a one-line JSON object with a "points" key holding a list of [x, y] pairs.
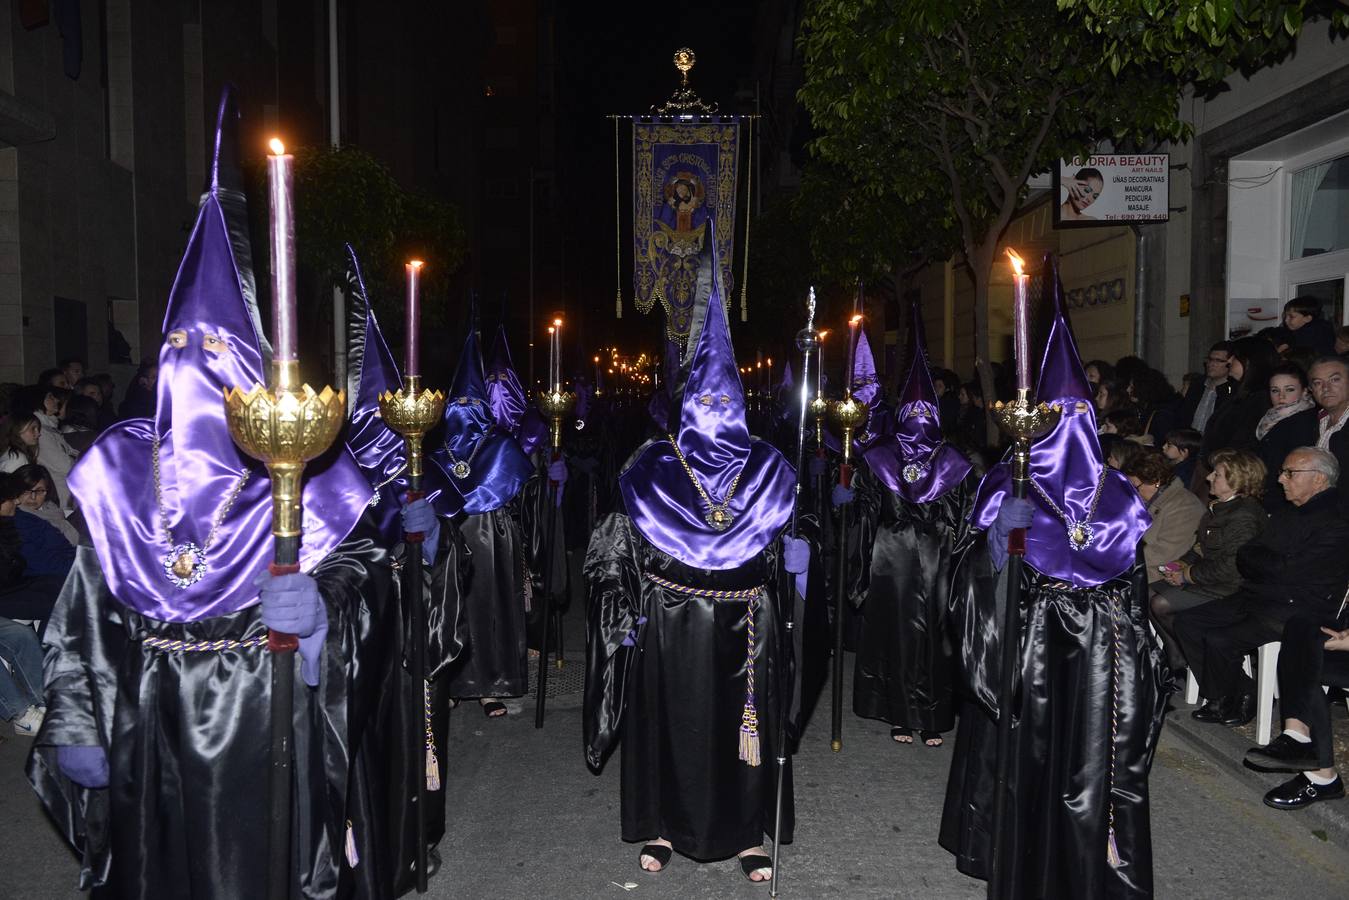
{"points": [[1112, 851], [432, 770], [749, 737]]}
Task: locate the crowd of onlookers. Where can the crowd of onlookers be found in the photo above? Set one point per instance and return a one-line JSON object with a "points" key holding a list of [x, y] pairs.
{"points": [[1249, 543], [45, 428]]}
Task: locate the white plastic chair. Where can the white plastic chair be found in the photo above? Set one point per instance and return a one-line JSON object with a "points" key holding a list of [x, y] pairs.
{"points": [[1266, 689]]}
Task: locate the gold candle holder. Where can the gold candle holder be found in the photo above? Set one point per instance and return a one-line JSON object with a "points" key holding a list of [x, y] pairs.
{"points": [[556, 405], [1023, 421], [412, 412], [847, 415], [819, 408], [285, 426]]}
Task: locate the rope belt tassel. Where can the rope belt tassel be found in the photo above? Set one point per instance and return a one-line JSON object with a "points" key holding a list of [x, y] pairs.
{"points": [[1111, 846], [749, 719], [432, 762]]}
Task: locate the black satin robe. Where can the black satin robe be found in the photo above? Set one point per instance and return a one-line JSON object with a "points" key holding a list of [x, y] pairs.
{"points": [[187, 737], [393, 773], [540, 525], [493, 664], [676, 697], [902, 582], [1062, 788]]}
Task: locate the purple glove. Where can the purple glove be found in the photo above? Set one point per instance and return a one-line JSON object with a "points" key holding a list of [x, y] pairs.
{"points": [[557, 474], [292, 604], [86, 766], [816, 466], [1012, 514], [419, 517], [795, 555], [841, 495]]}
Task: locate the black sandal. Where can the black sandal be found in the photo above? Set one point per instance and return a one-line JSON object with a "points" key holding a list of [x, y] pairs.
{"points": [[753, 862], [927, 736], [659, 852], [897, 732], [494, 709]]}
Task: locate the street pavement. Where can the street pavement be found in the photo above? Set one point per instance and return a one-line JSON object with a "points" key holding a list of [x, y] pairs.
{"points": [[527, 818]]}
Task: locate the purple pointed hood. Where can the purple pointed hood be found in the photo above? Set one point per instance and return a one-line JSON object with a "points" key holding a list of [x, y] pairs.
{"points": [[487, 465], [712, 434], [866, 387], [504, 391], [1066, 466], [213, 341], [915, 461], [379, 450]]}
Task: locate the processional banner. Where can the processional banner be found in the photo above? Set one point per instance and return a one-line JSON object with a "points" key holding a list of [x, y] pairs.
{"points": [[684, 175]]}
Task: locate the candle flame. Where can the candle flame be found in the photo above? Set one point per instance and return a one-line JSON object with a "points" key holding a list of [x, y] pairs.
{"points": [[277, 147], [416, 263], [557, 323], [854, 320], [824, 333], [770, 360], [1018, 264], [597, 359], [550, 329]]}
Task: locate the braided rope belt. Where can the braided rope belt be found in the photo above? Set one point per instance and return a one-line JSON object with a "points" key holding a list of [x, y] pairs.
{"points": [[432, 762], [749, 750], [179, 646]]}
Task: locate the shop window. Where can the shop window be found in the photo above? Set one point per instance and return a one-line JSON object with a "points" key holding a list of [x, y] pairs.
{"points": [[1319, 209]]}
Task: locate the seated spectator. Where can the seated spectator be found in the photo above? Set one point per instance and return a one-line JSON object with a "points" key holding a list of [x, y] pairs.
{"points": [[1234, 424], [1342, 340], [107, 410], [54, 451], [73, 368], [1289, 423], [1123, 421], [1297, 566], [1208, 570], [22, 594], [1099, 370], [1329, 381], [1313, 654], [1205, 396], [1111, 395], [53, 378], [1118, 451], [1180, 447], [139, 402], [79, 422], [21, 702], [22, 434], [1175, 511], [1159, 406], [35, 500], [1302, 316], [46, 550]]}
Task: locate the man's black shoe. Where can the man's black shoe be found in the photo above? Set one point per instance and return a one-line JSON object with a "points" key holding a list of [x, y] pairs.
{"points": [[1283, 754], [1237, 711], [1207, 711], [1298, 792]]}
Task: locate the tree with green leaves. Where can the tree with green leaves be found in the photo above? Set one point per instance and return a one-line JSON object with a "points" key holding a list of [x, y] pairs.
{"points": [[957, 103]]}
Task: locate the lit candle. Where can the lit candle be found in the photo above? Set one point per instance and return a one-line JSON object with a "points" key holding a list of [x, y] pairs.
{"points": [[552, 354], [1020, 320], [597, 374], [819, 364], [280, 172], [852, 350], [770, 373], [413, 312], [557, 365]]}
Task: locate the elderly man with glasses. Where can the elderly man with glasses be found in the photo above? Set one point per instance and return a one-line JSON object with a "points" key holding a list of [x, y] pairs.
{"points": [[1297, 567]]}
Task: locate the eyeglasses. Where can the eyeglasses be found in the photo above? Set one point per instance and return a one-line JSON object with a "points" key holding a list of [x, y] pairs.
{"points": [[37, 492], [1223, 362], [1286, 472]]}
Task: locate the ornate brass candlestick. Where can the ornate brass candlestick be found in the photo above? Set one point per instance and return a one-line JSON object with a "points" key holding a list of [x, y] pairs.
{"points": [[1023, 421], [556, 405], [285, 426], [819, 408], [847, 415], [412, 412]]}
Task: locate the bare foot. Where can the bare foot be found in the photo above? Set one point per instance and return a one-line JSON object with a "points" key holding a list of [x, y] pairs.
{"points": [[901, 735], [932, 738], [650, 863]]}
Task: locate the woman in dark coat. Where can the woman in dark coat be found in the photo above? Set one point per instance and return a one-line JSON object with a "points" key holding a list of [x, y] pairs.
{"points": [[1233, 424]]}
